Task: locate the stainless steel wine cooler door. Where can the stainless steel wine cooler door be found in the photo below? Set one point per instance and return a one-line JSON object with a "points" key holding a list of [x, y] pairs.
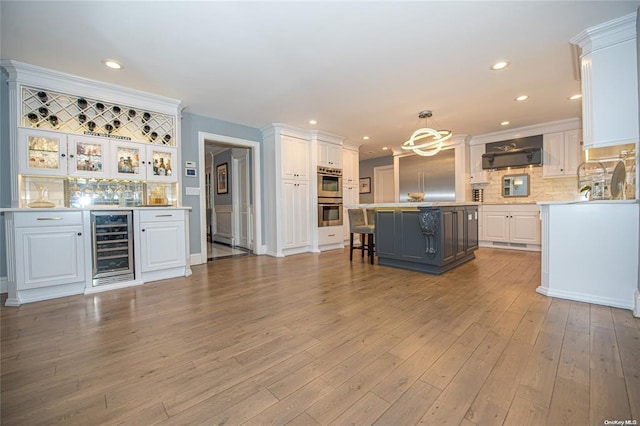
{"points": [[112, 233]]}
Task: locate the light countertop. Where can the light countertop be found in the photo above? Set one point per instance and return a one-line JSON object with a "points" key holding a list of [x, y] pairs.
{"points": [[551, 203], [71, 209], [415, 205]]}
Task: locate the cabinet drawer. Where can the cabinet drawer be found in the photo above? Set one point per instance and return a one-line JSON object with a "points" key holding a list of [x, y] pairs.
{"points": [[54, 218], [161, 215]]}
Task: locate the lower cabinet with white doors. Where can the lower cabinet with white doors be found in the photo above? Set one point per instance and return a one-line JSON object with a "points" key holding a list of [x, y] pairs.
{"points": [[49, 251], [510, 226]]}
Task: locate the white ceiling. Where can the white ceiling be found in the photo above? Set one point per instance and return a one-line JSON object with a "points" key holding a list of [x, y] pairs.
{"points": [[358, 68]]}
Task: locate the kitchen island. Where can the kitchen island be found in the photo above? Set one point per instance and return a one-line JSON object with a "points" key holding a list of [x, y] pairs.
{"points": [[431, 237]]}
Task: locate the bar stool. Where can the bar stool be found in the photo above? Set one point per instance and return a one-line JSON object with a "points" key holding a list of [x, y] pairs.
{"points": [[357, 225]]}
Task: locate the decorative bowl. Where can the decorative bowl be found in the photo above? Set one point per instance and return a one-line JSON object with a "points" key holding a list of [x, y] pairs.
{"points": [[416, 196]]}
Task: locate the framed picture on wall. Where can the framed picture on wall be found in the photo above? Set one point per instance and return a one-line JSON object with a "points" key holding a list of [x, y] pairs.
{"points": [[222, 179], [365, 185]]}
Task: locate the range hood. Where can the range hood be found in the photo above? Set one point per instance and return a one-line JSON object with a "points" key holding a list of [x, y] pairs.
{"points": [[519, 152]]}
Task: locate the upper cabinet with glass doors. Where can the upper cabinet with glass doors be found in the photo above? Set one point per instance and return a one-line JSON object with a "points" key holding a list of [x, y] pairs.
{"points": [[42, 153]]}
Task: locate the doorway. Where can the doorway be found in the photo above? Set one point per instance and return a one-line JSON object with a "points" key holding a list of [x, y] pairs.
{"points": [[383, 185], [230, 213]]}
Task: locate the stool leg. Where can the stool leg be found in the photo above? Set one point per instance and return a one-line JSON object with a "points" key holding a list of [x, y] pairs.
{"points": [[362, 244], [370, 238], [351, 246]]}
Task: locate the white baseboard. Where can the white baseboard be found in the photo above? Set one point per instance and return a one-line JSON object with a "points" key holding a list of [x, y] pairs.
{"points": [[3, 285], [636, 309], [197, 259], [589, 298]]}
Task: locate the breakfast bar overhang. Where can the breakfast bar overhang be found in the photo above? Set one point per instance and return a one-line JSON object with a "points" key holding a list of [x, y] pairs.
{"points": [[431, 237]]}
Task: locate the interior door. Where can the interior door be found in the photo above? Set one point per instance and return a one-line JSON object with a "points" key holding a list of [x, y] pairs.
{"points": [[241, 199], [383, 185]]}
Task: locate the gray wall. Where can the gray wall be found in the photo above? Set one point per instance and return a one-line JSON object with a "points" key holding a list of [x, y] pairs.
{"points": [[5, 186], [191, 125], [366, 170]]}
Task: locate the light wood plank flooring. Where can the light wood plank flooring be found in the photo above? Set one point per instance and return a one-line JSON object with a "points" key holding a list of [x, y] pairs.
{"points": [[316, 339]]}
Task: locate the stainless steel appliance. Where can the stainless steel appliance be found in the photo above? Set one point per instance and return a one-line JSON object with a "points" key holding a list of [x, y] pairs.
{"points": [[112, 234], [433, 176], [329, 182], [329, 211]]}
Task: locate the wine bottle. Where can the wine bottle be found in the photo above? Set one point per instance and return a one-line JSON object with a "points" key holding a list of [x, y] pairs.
{"points": [[132, 113], [82, 118], [33, 118], [146, 117], [162, 171], [91, 125], [100, 106], [168, 168], [155, 167], [167, 138], [154, 135], [82, 103], [146, 130], [53, 120], [108, 128], [43, 97], [43, 111], [116, 124], [116, 109]]}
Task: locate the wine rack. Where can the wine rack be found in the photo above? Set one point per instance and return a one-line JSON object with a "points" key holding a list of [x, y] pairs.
{"points": [[49, 110]]}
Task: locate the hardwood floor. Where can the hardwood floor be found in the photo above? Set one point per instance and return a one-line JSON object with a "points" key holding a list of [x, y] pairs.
{"points": [[316, 339]]}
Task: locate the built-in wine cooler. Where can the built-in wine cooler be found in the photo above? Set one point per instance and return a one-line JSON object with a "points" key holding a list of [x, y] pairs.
{"points": [[112, 247]]}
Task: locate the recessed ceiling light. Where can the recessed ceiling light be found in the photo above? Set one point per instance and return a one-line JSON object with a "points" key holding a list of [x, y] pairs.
{"points": [[313, 122], [504, 123], [370, 152], [574, 97], [522, 98], [500, 65], [113, 64], [366, 138], [384, 148]]}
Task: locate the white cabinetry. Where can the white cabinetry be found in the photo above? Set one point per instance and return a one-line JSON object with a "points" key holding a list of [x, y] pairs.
{"points": [[329, 154], [609, 82], [46, 255], [476, 173], [42, 153], [162, 247], [510, 226], [350, 181], [137, 161], [562, 154], [294, 158], [295, 213], [288, 213]]}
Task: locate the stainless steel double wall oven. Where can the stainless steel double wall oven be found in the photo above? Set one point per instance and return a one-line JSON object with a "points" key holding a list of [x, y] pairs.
{"points": [[329, 196]]}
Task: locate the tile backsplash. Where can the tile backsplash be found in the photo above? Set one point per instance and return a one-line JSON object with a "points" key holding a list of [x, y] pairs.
{"points": [[549, 189]]}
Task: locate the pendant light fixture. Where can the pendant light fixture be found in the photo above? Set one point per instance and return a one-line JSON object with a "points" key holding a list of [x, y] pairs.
{"points": [[426, 141]]}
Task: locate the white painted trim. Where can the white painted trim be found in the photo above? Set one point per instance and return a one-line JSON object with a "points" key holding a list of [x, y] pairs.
{"points": [[224, 219], [636, 307], [376, 175], [256, 156], [520, 132], [114, 286], [197, 259], [4, 285], [585, 297]]}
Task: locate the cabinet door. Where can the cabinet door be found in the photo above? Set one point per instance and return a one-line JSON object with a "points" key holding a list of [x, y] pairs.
{"points": [[42, 153], [88, 156], [460, 233], [471, 214], [573, 153], [160, 161], [495, 226], [525, 227], [128, 160], [553, 151], [295, 213], [49, 256], [163, 245], [295, 158], [329, 155], [350, 166], [476, 173], [449, 236]]}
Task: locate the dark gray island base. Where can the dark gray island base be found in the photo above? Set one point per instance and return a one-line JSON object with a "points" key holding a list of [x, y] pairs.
{"points": [[431, 239]]}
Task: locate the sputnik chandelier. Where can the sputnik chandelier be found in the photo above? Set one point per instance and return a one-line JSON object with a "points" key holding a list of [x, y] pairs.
{"points": [[426, 141]]}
